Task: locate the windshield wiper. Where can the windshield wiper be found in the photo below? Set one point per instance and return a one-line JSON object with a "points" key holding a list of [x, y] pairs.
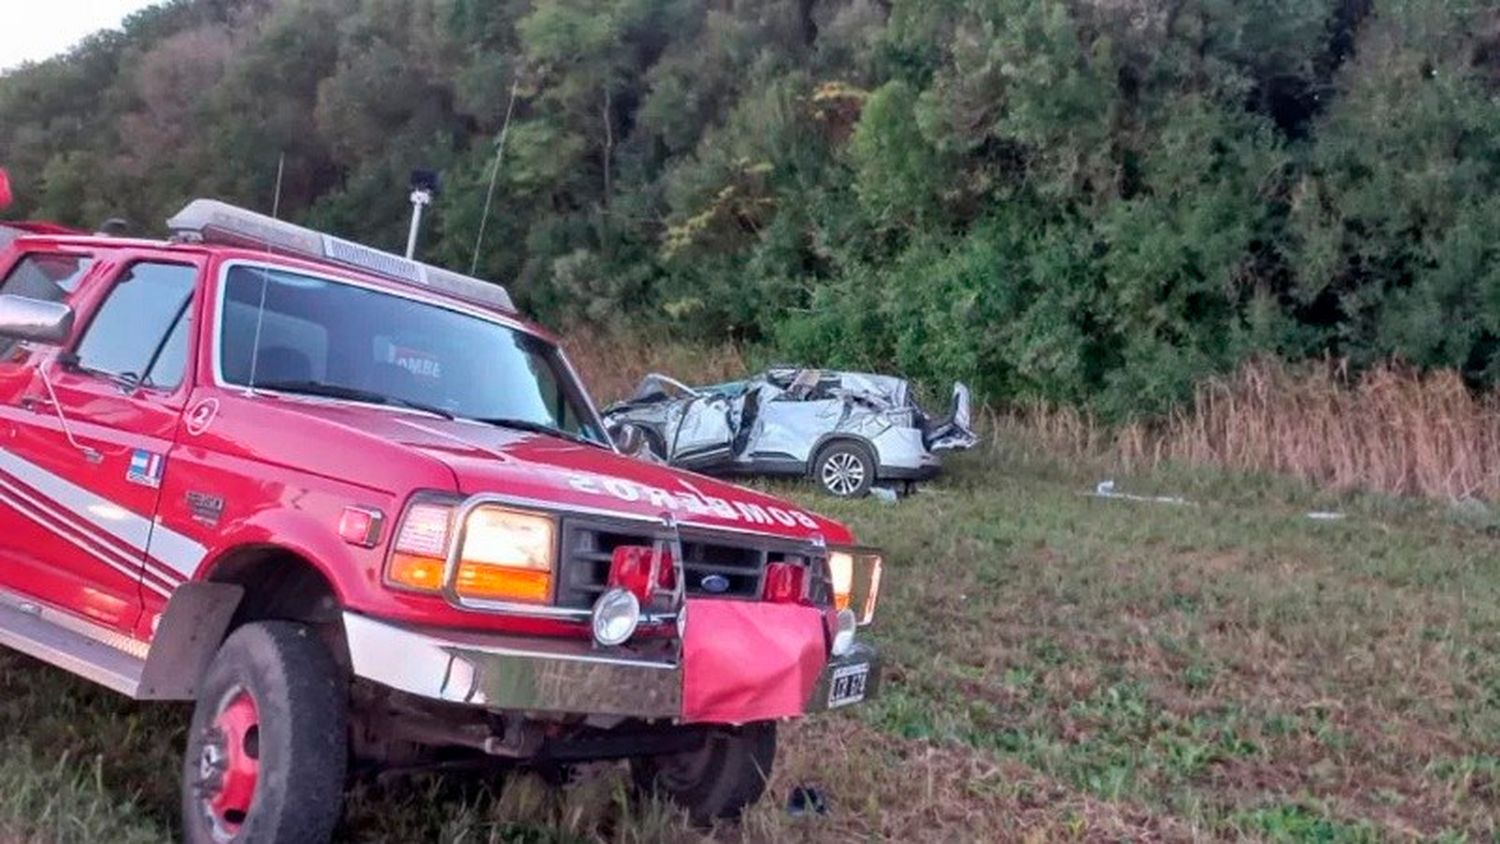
{"points": [[126, 381], [339, 391], [539, 428]]}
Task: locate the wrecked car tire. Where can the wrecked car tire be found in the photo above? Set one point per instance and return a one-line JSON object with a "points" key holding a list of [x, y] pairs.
{"points": [[267, 749], [719, 780], [845, 469]]}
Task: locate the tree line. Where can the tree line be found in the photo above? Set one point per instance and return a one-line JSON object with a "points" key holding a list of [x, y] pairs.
{"points": [[1096, 202]]}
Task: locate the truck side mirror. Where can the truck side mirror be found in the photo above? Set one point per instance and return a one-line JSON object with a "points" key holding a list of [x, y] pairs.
{"points": [[36, 320]]}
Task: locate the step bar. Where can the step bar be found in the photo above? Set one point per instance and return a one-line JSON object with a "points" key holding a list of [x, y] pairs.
{"points": [[72, 644]]}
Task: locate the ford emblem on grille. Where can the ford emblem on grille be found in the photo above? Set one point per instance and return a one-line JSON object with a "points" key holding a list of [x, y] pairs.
{"points": [[715, 583]]}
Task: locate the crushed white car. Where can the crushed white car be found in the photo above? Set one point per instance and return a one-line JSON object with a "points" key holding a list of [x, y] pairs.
{"points": [[847, 430]]}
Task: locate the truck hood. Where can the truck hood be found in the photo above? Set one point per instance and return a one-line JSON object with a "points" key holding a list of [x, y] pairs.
{"points": [[558, 473]]}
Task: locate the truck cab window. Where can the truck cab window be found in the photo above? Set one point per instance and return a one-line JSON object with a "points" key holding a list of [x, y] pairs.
{"points": [[141, 329], [46, 276], [171, 362]]}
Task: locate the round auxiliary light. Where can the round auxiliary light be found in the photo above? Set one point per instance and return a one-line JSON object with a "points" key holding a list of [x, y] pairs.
{"points": [[616, 615], [843, 633]]}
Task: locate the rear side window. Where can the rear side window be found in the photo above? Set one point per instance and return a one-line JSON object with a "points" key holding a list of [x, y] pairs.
{"points": [[46, 276], [141, 329]]}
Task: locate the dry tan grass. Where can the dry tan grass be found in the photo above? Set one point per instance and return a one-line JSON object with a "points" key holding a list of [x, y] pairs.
{"points": [[1393, 430], [613, 361], [885, 788], [877, 787]]}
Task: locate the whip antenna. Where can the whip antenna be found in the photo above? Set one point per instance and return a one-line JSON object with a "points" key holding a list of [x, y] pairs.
{"points": [[276, 199], [265, 279], [494, 172]]}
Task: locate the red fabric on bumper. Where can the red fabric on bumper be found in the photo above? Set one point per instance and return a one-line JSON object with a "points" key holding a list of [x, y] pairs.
{"points": [[746, 661]]}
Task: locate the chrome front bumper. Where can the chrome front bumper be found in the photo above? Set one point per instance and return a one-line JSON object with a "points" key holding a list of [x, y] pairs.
{"points": [[518, 673]]}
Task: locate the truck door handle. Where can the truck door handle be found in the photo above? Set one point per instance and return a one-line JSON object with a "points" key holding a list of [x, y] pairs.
{"points": [[38, 404]]}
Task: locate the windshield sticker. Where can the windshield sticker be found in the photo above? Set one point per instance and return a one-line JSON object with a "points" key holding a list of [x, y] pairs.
{"points": [[417, 362], [695, 503]]}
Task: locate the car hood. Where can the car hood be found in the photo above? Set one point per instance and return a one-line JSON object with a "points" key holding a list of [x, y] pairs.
{"points": [[554, 472]]}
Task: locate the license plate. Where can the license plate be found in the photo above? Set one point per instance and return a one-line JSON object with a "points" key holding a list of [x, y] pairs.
{"points": [[848, 685]]}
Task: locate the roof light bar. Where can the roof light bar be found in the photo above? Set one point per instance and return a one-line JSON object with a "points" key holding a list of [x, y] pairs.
{"points": [[212, 221]]}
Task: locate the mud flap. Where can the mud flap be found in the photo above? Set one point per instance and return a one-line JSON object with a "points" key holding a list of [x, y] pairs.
{"points": [[187, 638]]}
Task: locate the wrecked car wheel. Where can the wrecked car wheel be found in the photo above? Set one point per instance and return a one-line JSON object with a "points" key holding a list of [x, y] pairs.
{"points": [[845, 469], [719, 780], [267, 748]]}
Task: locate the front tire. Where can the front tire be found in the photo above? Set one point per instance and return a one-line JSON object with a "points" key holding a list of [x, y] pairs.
{"points": [[844, 469], [268, 747], [719, 780]]}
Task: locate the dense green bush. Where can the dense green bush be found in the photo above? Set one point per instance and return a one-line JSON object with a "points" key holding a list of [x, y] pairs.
{"points": [[1088, 201]]}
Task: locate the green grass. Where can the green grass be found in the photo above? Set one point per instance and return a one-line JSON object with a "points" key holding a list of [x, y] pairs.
{"points": [[1060, 667]]}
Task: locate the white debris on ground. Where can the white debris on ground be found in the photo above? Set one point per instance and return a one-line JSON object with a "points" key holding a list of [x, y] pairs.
{"points": [[1106, 489]]}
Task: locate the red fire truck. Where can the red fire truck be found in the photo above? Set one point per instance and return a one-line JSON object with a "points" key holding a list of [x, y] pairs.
{"points": [[364, 515]]}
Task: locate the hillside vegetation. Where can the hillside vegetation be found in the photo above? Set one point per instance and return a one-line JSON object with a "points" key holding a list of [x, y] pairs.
{"points": [[1092, 202]]}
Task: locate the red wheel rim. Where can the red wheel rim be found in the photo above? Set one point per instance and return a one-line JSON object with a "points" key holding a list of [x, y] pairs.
{"points": [[230, 763]]}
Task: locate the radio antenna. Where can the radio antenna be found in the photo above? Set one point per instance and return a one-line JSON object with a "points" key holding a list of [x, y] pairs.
{"points": [[494, 173], [265, 279], [276, 200]]}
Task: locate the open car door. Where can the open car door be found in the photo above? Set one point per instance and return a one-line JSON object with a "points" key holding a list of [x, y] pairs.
{"points": [[703, 432], [953, 432]]}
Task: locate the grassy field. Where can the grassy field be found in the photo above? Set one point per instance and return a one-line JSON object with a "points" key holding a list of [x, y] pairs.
{"points": [[1062, 668]]}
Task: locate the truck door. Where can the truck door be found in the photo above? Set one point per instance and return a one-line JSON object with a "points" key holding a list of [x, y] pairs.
{"points": [[26, 534], [89, 448]]}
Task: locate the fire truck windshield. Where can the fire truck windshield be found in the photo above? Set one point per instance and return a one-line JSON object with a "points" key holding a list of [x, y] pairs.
{"points": [[298, 333]]}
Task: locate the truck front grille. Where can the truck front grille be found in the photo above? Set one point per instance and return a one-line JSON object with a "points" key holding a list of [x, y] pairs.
{"points": [[733, 565]]}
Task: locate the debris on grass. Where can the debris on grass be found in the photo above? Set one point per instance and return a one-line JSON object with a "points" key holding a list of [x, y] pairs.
{"points": [[806, 800], [1106, 489]]}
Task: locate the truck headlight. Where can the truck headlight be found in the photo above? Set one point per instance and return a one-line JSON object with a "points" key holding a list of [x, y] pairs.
{"points": [[841, 567], [855, 573], [507, 554]]}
